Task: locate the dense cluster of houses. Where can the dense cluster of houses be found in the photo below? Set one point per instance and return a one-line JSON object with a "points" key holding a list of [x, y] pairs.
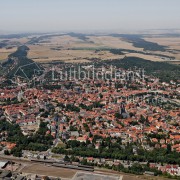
{"points": [[100, 108]]}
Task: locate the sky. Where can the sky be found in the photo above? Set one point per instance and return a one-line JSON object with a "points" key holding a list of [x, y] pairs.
{"points": [[88, 15]]}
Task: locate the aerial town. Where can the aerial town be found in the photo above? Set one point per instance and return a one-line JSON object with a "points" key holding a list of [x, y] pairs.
{"points": [[89, 90], [125, 124]]}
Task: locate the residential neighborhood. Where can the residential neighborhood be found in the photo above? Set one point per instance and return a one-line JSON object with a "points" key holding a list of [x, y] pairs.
{"points": [[119, 123]]}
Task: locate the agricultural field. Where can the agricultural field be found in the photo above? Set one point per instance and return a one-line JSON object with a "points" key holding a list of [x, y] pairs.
{"points": [[173, 43], [4, 53], [71, 49], [80, 48], [144, 56], [40, 53], [77, 49]]}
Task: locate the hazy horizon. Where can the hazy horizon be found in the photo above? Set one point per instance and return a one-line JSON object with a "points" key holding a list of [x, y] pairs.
{"points": [[94, 15]]}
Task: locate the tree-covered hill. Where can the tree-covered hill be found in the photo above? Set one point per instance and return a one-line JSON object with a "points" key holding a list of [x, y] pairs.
{"points": [[22, 66], [162, 70]]}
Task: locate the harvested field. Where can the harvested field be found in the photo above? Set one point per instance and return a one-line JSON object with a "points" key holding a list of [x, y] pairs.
{"points": [[72, 49], [113, 42], [49, 171], [42, 53], [4, 53], [148, 57], [173, 43]]}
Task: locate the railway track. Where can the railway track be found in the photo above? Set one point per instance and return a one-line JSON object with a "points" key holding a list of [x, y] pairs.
{"points": [[60, 164]]}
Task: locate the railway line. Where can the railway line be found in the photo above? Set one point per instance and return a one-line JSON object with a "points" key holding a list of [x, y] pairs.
{"points": [[66, 165], [60, 164]]}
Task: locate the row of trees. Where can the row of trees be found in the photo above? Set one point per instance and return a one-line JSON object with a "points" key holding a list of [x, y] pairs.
{"points": [[117, 151]]}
